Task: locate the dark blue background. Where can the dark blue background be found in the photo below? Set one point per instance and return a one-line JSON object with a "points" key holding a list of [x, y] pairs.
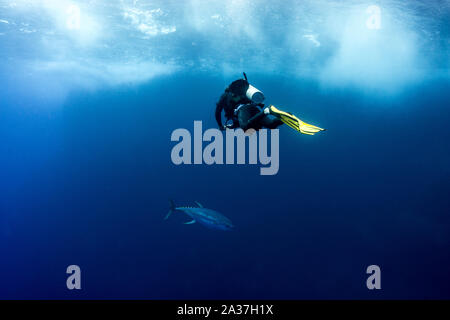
{"points": [[88, 184]]}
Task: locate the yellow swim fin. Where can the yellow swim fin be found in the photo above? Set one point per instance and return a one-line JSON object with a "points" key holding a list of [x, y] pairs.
{"points": [[294, 122]]}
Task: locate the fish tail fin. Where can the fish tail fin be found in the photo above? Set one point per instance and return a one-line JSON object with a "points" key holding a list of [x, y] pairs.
{"points": [[171, 209]]}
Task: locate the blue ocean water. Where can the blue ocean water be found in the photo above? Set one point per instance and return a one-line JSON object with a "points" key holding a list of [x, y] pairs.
{"points": [[86, 174]]}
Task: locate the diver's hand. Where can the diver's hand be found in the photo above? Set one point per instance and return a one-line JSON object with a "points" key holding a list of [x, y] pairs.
{"points": [[227, 126]]}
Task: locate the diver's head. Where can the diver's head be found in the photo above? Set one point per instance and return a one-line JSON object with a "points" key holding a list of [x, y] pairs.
{"points": [[238, 87], [242, 88], [235, 97]]}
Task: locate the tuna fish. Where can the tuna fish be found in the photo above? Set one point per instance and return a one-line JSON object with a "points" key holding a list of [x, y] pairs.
{"points": [[207, 217]]}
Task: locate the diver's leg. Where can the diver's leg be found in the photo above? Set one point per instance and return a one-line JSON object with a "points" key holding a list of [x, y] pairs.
{"points": [[243, 117], [271, 122], [248, 117], [255, 118]]}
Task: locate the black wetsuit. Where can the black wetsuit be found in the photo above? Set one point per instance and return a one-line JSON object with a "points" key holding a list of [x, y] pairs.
{"points": [[249, 115]]}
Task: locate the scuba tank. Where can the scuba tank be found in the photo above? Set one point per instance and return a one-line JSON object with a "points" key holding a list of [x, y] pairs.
{"points": [[253, 93]]}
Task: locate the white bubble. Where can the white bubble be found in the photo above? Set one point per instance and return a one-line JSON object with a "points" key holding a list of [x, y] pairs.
{"points": [[374, 21], [73, 19]]}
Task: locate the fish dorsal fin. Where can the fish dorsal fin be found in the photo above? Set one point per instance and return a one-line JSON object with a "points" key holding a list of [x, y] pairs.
{"points": [[190, 222], [199, 204]]}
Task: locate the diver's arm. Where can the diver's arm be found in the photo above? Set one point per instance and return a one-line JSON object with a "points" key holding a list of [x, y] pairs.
{"points": [[219, 108]]}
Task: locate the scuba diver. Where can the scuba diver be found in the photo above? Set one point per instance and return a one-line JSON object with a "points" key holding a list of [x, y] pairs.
{"points": [[243, 108]]}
